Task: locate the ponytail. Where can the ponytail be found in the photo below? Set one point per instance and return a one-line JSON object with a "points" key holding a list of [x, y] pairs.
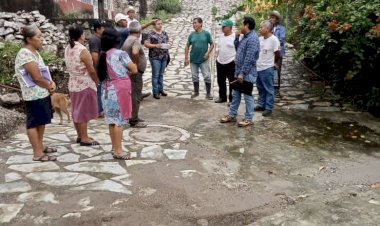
{"points": [[75, 32], [72, 43], [102, 66]]}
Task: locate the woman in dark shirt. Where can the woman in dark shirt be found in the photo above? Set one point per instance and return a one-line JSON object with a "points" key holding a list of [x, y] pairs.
{"points": [[158, 44]]}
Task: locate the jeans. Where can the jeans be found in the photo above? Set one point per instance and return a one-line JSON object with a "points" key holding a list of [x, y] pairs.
{"points": [[249, 104], [225, 71], [205, 69], [158, 68], [265, 87], [100, 105], [137, 84]]}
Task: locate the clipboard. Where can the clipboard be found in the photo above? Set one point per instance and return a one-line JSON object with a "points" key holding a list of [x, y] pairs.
{"points": [[27, 79]]}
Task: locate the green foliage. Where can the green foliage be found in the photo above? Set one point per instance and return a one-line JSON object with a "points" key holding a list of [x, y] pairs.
{"points": [[159, 14], [343, 46], [214, 11], [169, 6], [8, 54]]}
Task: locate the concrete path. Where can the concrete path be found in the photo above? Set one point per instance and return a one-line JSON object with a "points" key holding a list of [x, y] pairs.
{"points": [[313, 163]]}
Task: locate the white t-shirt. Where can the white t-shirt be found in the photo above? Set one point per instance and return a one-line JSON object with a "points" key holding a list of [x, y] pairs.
{"points": [[267, 49], [129, 20], [226, 49]]}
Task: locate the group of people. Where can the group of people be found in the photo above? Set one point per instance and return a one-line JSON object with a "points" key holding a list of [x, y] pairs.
{"points": [[107, 79]]}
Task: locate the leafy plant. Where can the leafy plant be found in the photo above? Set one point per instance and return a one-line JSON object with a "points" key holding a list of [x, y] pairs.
{"points": [[169, 6], [8, 54]]}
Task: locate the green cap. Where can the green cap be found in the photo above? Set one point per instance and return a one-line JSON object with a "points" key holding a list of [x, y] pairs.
{"points": [[227, 23]]}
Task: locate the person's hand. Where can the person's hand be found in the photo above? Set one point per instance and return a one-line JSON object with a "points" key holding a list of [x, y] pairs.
{"points": [[276, 66], [207, 55], [238, 33], [152, 22], [157, 46], [187, 62], [52, 87], [240, 78]]}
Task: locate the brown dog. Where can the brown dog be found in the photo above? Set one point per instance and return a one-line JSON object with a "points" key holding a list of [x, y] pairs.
{"points": [[60, 103]]}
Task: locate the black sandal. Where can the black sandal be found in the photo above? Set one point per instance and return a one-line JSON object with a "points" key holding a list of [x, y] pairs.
{"points": [[92, 143], [126, 156], [49, 150], [45, 158], [79, 140]]}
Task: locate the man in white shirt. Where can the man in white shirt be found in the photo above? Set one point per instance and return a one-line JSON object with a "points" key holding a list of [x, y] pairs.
{"points": [[269, 54], [131, 17], [225, 61]]}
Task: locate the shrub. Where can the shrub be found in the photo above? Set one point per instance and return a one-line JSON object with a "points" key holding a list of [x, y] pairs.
{"points": [[341, 40], [8, 54], [169, 6]]}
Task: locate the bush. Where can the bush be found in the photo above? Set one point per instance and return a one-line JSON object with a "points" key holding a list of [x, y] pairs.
{"points": [[169, 6], [8, 53], [340, 40]]}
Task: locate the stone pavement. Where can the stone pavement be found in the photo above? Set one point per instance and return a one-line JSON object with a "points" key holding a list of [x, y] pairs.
{"points": [[310, 164]]}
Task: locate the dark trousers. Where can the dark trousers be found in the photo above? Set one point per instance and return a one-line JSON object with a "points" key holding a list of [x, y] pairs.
{"points": [[225, 71], [278, 82], [137, 85]]}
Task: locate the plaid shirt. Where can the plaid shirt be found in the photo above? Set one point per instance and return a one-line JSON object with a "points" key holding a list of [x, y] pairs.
{"points": [[248, 50]]}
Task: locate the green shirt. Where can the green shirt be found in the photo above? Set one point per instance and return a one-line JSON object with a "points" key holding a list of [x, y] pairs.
{"points": [[199, 42]]}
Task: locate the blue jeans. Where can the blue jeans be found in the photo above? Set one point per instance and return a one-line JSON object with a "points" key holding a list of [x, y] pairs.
{"points": [[265, 87], [205, 69], [249, 102], [158, 69], [99, 92]]}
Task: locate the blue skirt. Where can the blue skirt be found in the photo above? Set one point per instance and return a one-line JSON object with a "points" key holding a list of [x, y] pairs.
{"points": [[38, 112]]}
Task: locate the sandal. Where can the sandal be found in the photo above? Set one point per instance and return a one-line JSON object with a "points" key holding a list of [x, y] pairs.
{"points": [[245, 123], [45, 158], [126, 156], [92, 143], [49, 150], [79, 140], [227, 119]]}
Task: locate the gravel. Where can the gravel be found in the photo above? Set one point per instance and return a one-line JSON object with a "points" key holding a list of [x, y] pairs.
{"points": [[10, 122]]}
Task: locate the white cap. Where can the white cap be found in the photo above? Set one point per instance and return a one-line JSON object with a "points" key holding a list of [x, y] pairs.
{"points": [[119, 17], [130, 8]]}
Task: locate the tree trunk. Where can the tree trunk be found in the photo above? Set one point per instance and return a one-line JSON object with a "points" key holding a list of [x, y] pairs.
{"points": [[143, 8]]}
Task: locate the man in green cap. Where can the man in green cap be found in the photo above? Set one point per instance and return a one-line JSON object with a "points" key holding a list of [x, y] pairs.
{"points": [[225, 61]]}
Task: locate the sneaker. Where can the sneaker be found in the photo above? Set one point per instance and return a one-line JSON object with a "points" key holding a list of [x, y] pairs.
{"points": [[145, 95], [267, 113], [156, 96], [227, 119], [257, 108], [194, 95], [245, 123], [139, 125], [220, 100], [209, 96]]}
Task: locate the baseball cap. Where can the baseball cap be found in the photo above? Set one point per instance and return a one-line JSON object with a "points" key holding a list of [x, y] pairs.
{"points": [[227, 23], [98, 24], [130, 8], [119, 17]]}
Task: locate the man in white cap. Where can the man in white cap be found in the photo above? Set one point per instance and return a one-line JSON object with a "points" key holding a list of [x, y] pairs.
{"points": [[131, 17], [122, 27]]}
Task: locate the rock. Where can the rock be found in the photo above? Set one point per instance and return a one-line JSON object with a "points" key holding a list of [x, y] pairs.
{"points": [[9, 37], [7, 31], [2, 23], [19, 37], [288, 45], [9, 24], [326, 109], [10, 98]]}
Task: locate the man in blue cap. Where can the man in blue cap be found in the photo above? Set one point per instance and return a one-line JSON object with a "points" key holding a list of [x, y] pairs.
{"points": [[225, 61]]}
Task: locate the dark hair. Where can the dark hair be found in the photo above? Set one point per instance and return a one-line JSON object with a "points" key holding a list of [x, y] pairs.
{"points": [[75, 32], [98, 24], [250, 21], [29, 32], [110, 39], [198, 19]]}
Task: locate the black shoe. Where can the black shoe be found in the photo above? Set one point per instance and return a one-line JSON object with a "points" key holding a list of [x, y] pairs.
{"points": [[163, 93], [257, 108], [145, 95], [140, 120], [267, 113], [156, 96], [220, 101], [139, 125]]}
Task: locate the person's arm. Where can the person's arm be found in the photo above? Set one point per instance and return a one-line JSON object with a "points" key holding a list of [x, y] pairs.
{"points": [[132, 68], [144, 26], [85, 57], [251, 48], [237, 41], [210, 48], [187, 50], [149, 45], [282, 35], [94, 51], [95, 58], [136, 53], [34, 71]]}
